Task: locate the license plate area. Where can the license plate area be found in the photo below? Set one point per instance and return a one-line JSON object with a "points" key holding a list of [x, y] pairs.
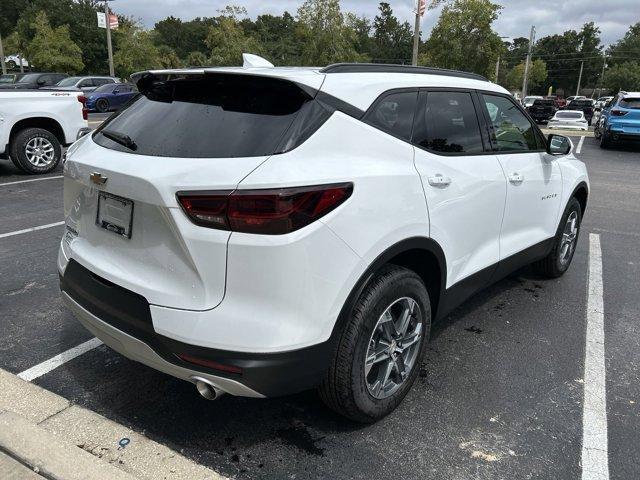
{"points": [[115, 214]]}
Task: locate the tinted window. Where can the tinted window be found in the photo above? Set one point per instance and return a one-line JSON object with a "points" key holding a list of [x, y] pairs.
{"points": [[106, 88], [451, 124], [631, 103], [545, 102], [102, 81], [217, 116], [68, 82], [511, 131], [394, 113], [566, 114]]}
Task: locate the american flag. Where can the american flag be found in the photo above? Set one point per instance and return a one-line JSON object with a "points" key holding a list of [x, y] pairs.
{"points": [[422, 7]]}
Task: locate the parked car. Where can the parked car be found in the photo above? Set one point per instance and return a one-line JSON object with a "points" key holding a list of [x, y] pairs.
{"points": [[31, 81], [84, 84], [528, 101], [619, 120], [111, 96], [602, 101], [583, 105], [568, 120], [543, 110], [13, 61], [37, 124], [226, 227], [10, 78], [574, 97], [560, 102]]}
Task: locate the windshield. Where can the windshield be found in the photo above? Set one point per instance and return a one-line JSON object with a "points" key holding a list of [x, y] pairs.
{"points": [[30, 78], [631, 103], [569, 115], [217, 116], [68, 82]]}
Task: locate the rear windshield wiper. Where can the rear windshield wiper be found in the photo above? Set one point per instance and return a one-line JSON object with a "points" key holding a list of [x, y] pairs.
{"points": [[120, 138]]}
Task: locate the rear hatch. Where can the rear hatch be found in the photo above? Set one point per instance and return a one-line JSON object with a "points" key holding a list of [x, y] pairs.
{"points": [[630, 121], [196, 133]]}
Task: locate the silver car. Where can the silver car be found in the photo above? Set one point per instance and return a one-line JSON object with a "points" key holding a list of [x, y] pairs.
{"points": [[85, 84]]}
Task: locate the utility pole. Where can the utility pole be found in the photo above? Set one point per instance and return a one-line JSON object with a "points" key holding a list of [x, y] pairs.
{"points": [[525, 80], [416, 32], [604, 66], [580, 78], [4, 67], [109, 49], [497, 68]]}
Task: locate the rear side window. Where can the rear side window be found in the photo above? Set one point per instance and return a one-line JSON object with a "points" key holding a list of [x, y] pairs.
{"points": [[451, 124], [211, 116], [511, 130], [394, 114]]}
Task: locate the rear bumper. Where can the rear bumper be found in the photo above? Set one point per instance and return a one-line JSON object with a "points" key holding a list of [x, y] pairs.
{"points": [[122, 320]]}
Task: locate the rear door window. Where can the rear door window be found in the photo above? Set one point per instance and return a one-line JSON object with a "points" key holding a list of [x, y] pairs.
{"points": [[210, 116], [394, 113], [450, 124]]}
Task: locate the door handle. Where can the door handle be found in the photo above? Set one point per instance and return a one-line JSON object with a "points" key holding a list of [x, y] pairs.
{"points": [[439, 181], [516, 178]]}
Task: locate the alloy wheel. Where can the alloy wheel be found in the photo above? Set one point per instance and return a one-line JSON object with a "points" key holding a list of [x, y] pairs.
{"points": [[569, 237], [39, 152], [393, 347]]}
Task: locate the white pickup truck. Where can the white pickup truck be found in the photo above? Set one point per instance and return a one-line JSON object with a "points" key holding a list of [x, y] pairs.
{"points": [[35, 125]]}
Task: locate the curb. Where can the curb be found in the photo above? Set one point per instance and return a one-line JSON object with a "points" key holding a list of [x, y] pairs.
{"points": [[48, 456], [62, 441]]}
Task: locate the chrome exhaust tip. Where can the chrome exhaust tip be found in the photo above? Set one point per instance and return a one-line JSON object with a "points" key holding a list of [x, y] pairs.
{"points": [[207, 389]]}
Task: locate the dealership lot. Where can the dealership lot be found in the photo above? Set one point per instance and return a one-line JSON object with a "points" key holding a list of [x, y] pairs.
{"points": [[500, 394]]}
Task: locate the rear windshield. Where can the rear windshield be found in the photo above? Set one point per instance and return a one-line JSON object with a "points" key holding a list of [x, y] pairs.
{"points": [[573, 115], [581, 103], [632, 103], [544, 102], [210, 116]]}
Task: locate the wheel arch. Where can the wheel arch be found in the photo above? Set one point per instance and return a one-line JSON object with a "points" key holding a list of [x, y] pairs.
{"points": [[45, 123], [581, 193], [422, 255]]}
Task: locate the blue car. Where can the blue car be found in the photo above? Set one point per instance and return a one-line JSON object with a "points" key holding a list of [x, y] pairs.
{"points": [[110, 97], [619, 120]]}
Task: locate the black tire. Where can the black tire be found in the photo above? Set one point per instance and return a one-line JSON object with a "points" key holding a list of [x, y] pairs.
{"points": [[605, 141], [555, 265], [18, 154], [102, 105], [344, 388]]}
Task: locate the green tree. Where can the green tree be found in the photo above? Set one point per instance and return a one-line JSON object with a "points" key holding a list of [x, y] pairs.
{"points": [[628, 48], [10, 11], [623, 76], [197, 59], [392, 40], [463, 38], [277, 35], [168, 57], [135, 52], [361, 27], [227, 41], [537, 76], [52, 48], [326, 36]]}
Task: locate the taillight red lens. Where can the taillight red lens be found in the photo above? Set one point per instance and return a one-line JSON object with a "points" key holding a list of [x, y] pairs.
{"points": [[85, 111], [618, 113], [267, 212]]}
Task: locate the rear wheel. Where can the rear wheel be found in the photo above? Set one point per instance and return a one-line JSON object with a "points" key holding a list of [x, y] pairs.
{"points": [[102, 105], [557, 262], [35, 150], [378, 356], [605, 141]]}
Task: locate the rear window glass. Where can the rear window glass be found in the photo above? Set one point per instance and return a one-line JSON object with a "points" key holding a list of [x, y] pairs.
{"points": [[394, 113], [212, 116], [574, 115], [633, 103], [581, 103], [544, 102]]}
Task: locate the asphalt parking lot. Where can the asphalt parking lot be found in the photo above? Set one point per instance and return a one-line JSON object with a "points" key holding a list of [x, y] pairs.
{"points": [[500, 394]]}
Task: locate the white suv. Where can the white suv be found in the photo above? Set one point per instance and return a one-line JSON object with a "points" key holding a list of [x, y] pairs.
{"points": [[261, 231]]}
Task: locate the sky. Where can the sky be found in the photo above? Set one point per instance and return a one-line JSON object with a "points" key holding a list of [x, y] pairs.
{"points": [[549, 16]]}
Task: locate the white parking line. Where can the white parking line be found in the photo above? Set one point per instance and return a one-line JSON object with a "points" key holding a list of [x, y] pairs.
{"points": [[32, 229], [579, 149], [55, 362], [595, 456], [32, 180]]}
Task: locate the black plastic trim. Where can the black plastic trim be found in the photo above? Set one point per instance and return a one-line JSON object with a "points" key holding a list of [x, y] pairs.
{"points": [[392, 68]]}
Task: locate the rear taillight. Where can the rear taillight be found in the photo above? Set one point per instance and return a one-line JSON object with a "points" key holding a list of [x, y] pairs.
{"points": [[618, 113], [85, 111], [267, 212]]}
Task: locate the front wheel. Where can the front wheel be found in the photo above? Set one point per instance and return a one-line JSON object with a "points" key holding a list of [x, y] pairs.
{"points": [[378, 356], [102, 105], [35, 150], [557, 262]]}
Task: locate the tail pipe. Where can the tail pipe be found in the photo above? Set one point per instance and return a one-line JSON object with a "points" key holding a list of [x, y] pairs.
{"points": [[207, 389]]}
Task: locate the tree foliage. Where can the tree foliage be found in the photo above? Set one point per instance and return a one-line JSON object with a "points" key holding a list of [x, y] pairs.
{"points": [[623, 76], [227, 40], [52, 48], [463, 38], [537, 75], [135, 52], [392, 40]]}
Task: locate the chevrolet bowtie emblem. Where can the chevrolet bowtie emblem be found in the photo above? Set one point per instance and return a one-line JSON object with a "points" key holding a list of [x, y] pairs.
{"points": [[98, 179]]}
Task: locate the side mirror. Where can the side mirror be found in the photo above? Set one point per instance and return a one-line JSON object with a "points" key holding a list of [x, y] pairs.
{"points": [[558, 145]]}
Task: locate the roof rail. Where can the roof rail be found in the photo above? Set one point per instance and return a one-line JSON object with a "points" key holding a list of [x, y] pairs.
{"points": [[391, 68]]}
